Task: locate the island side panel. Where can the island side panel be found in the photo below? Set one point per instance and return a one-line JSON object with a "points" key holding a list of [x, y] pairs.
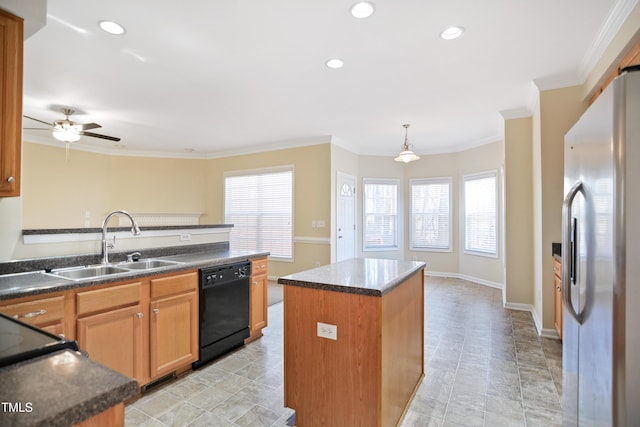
{"points": [[402, 346], [327, 382]]}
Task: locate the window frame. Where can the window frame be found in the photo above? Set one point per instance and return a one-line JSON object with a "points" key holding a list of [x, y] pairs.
{"points": [[478, 176], [265, 171], [380, 181], [422, 181]]}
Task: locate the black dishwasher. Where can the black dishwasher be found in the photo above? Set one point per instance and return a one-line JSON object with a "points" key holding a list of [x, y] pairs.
{"points": [[224, 309]]}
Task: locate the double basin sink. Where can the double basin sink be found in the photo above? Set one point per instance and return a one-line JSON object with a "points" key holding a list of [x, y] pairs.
{"points": [[103, 270]]}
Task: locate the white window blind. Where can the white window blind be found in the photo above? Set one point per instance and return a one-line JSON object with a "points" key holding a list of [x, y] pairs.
{"points": [[431, 214], [380, 214], [260, 207], [480, 212]]}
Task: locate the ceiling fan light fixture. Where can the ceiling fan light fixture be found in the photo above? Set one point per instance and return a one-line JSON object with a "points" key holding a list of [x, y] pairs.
{"points": [[66, 135], [406, 155], [363, 9], [112, 27]]}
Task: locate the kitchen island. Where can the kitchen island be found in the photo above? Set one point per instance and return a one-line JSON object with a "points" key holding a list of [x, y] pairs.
{"points": [[353, 342]]}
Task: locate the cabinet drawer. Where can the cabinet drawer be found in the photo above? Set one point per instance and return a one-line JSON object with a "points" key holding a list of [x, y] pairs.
{"points": [[107, 298], [258, 266], [174, 284], [37, 312]]}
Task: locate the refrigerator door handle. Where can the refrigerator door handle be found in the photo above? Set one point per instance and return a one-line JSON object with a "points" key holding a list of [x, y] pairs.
{"points": [[569, 241]]}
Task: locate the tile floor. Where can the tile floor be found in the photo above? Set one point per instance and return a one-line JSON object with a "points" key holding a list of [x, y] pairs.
{"points": [[484, 366]]}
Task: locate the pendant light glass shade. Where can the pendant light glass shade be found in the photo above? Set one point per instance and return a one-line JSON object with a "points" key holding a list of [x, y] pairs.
{"points": [[406, 155]]}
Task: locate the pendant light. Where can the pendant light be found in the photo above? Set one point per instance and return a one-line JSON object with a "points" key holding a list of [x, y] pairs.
{"points": [[406, 155]]}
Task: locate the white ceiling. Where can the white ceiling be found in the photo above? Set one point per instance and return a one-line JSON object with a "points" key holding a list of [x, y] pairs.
{"points": [[231, 76]]}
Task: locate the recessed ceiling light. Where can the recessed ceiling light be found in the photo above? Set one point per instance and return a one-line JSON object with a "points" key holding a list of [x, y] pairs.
{"points": [[335, 63], [112, 27], [452, 33], [363, 9]]}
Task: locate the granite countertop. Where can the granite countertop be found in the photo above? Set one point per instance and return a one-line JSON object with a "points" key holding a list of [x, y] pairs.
{"points": [[36, 386], [36, 282], [366, 276]]}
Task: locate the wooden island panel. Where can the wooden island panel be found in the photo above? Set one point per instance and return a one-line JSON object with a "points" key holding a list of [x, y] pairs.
{"points": [[368, 376], [326, 380]]}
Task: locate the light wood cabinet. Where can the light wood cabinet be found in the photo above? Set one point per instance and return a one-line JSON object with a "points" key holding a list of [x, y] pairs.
{"points": [[142, 329], [258, 298], [557, 298], [110, 327], [173, 331], [47, 313], [115, 339], [11, 47]]}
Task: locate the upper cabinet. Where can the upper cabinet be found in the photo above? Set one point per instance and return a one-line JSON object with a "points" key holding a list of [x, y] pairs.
{"points": [[11, 44]]}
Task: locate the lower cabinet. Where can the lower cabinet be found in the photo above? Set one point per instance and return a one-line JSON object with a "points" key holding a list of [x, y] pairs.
{"points": [[142, 329], [173, 333], [557, 295], [258, 298], [115, 339]]}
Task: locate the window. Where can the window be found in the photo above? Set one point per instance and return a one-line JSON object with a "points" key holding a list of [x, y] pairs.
{"points": [[260, 206], [431, 214], [480, 214], [380, 214]]}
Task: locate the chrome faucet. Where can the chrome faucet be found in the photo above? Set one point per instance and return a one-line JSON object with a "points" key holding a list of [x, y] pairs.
{"points": [[105, 245]]}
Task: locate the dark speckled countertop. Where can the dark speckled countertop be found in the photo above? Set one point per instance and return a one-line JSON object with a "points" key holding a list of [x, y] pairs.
{"points": [[366, 276], [89, 388], [35, 281]]}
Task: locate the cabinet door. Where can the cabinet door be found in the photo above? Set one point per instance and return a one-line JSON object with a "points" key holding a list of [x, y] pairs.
{"points": [[258, 301], [11, 42], [558, 305], [115, 339], [173, 333]]}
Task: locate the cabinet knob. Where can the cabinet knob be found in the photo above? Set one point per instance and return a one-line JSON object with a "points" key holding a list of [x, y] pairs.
{"points": [[11, 179], [255, 283], [156, 310], [140, 315]]}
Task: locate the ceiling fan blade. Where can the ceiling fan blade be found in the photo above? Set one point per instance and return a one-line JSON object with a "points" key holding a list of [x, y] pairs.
{"points": [[97, 135], [38, 120], [49, 129], [86, 126]]}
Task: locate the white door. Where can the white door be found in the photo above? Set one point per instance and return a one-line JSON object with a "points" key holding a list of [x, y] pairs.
{"points": [[346, 217]]}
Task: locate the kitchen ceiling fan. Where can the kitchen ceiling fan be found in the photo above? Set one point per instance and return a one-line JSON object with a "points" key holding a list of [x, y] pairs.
{"points": [[67, 131]]}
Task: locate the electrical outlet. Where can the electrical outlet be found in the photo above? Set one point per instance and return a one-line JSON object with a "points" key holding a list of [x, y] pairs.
{"points": [[185, 237], [326, 330]]}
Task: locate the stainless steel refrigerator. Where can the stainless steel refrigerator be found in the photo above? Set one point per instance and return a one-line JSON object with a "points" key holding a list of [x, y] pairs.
{"points": [[601, 260]]}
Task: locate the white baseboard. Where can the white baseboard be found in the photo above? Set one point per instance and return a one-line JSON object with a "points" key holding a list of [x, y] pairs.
{"points": [[543, 332], [465, 277]]}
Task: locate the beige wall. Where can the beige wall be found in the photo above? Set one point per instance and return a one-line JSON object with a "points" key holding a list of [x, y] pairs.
{"points": [[559, 109], [489, 157], [439, 166], [518, 235], [455, 165], [58, 192], [312, 197]]}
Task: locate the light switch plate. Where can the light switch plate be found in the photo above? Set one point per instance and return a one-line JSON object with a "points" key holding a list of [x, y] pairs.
{"points": [[327, 330]]}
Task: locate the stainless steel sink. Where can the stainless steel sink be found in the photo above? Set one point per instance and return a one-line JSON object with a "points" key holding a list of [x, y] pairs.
{"points": [[79, 273], [147, 264]]}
